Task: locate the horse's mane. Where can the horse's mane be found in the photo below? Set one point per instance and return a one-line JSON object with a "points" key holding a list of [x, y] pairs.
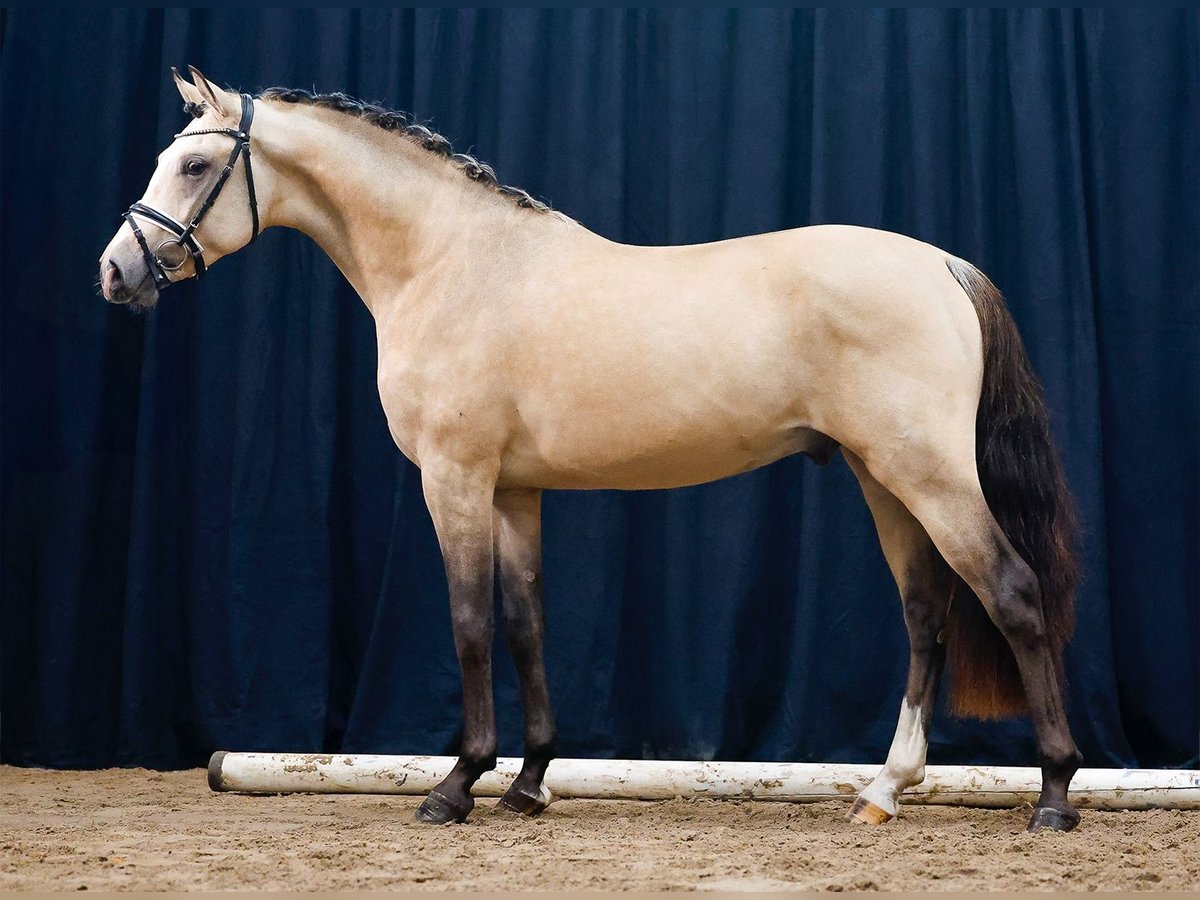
{"points": [[402, 123]]}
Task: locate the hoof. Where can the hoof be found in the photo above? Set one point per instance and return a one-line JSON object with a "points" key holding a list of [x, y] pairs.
{"points": [[868, 813], [437, 809], [1053, 819], [518, 801]]}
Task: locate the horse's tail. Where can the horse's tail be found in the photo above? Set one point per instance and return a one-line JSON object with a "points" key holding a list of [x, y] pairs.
{"points": [[1024, 486]]}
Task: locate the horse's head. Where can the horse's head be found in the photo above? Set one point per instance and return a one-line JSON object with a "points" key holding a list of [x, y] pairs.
{"points": [[200, 204]]}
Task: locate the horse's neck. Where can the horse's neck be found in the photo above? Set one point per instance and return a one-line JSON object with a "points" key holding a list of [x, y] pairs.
{"points": [[381, 207]]}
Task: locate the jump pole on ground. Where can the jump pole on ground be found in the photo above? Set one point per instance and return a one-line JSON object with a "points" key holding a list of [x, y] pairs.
{"points": [[624, 779]]}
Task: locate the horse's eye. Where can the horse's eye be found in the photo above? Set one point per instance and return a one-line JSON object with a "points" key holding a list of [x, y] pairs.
{"points": [[194, 167]]}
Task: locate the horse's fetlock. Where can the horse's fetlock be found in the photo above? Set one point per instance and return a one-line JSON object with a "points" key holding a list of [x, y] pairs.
{"points": [[542, 747], [484, 762], [1061, 762]]}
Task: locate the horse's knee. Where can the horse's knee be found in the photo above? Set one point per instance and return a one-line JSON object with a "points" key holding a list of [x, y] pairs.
{"points": [[472, 638], [521, 617]]}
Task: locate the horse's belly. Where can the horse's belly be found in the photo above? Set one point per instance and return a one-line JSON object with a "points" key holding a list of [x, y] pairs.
{"points": [[662, 405], [626, 464]]}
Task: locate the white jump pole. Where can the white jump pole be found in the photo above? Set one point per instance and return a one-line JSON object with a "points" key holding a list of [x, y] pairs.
{"points": [[624, 779]]}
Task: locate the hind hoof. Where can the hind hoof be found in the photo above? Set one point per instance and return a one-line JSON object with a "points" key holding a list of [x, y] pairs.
{"points": [[868, 813], [436, 809], [1053, 819], [518, 801]]}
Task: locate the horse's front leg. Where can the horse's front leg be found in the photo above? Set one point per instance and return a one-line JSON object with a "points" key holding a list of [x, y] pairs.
{"points": [[459, 497], [518, 533]]}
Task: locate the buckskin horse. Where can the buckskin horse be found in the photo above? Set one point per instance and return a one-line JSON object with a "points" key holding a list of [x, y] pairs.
{"points": [[518, 352]]}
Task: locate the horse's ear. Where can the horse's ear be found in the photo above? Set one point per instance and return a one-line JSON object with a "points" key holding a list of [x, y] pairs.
{"points": [[224, 102], [191, 96]]}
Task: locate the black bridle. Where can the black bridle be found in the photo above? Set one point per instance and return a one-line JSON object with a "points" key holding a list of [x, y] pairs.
{"points": [[185, 242]]}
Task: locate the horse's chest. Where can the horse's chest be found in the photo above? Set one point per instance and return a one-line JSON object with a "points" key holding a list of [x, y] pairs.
{"points": [[400, 393], [437, 406]]}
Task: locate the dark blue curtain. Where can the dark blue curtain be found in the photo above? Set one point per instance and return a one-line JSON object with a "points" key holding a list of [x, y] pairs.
{"points": [[210, 542]]}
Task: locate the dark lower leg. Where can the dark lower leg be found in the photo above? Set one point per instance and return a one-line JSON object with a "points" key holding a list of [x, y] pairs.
{"points": [[460, 507], [518, 545], [1059, 757], [1016, 609], [927, 596], [527, 793], [451, 800]]}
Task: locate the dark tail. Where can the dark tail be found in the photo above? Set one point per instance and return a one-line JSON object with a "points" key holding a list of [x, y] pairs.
{"points": [[1024, 486]]}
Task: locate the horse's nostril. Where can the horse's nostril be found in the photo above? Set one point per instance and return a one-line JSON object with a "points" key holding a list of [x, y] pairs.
{"points": [[111, 280]]}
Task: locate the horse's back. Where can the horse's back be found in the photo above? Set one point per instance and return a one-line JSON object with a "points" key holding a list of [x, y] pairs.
{"points": [[652, 367]]}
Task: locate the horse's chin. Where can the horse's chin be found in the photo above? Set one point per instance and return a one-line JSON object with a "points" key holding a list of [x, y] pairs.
{"points": [[143, 301]]}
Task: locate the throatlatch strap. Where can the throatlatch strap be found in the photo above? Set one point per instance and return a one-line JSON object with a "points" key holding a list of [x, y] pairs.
{"points": [[244, 128]]}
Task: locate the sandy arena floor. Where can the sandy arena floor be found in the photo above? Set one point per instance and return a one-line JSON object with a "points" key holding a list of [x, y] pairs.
{"points": [[155, 830]]}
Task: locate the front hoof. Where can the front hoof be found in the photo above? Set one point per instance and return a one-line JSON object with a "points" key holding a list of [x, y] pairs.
{"points": [[437, 809], [868, 813], [1053, 819], [525, 803]]}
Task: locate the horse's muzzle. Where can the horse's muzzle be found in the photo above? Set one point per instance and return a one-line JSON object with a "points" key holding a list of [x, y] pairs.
{"points": [[117, 288]]}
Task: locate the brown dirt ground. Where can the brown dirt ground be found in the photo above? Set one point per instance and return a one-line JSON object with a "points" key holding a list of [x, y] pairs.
{"points": [[131, 828]]}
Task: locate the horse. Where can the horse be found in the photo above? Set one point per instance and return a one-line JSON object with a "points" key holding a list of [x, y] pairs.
{"points": [[520, 352]]}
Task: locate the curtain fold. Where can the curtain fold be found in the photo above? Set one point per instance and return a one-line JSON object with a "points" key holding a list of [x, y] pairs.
{"points": [[209, 540]]}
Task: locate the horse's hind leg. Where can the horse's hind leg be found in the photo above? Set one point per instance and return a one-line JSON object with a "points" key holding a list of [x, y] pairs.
{"points": [[944, 494], [518, 531], [925, 583]]}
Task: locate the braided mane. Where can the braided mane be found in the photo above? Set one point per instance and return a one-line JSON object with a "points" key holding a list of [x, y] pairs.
{"points": [[402, 123]]}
